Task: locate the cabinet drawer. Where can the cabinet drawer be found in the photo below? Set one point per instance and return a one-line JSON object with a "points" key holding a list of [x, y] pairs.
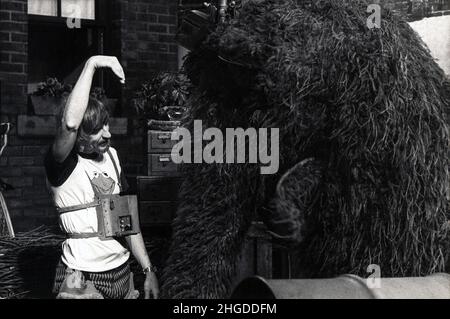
{"points": [[162, 165], [156, 212], [158, 188], [160, 142]]}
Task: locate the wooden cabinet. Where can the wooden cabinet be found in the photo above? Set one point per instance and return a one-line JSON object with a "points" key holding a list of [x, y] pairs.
{"points": [[159, 141], [156, 213], [158, 198], [159, 160], [158, 190], [162, 165]]}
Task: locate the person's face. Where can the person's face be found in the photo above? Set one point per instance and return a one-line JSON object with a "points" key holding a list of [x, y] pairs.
{"points": [[100, 141]]}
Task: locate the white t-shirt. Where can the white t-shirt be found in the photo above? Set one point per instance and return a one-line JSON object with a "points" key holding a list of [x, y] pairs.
{"points": [[87, 254]]}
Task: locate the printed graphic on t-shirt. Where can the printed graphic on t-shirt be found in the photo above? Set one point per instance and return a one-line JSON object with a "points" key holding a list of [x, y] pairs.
{"points": [[102, 184]]}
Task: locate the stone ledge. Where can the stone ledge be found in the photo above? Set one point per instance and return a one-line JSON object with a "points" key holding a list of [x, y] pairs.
{"points": [[45, 126], [33, 126]]}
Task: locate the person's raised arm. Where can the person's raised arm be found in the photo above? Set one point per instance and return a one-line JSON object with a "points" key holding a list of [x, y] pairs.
{"points": [[77, 103]]}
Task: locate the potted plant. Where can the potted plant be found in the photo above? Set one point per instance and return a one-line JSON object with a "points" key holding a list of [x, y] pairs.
{"points": [[50, 97], [162, 99]]}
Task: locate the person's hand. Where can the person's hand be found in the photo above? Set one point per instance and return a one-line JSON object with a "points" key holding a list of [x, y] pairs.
{"points": [[111, 62], [151, 285]]}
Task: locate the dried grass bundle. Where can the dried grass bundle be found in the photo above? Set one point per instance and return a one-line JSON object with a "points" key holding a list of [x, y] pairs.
{"points": [[28, 263]]}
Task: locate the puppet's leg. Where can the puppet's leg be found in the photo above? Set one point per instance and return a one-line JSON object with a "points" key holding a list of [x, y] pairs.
{"points": [[212, 219]]}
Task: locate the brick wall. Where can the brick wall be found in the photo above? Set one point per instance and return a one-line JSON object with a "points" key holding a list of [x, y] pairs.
{"points": [[21, 164], [142, 35], [147, 45], [13, 55], [148, 39], [416, 9]]}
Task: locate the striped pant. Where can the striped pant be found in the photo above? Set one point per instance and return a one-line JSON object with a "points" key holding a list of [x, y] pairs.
{"points": [[112, 284]]}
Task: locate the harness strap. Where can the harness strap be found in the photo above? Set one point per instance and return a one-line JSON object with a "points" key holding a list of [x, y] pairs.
{"points": [[78, 207], [81, 235], [115, 168]]}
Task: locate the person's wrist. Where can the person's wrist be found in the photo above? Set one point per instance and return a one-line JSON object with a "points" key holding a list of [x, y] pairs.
{"points": [[97, 61], [149, 269]]}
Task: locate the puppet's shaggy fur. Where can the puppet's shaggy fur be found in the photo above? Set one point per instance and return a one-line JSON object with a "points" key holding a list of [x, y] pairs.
{"points": [[364, 110]]}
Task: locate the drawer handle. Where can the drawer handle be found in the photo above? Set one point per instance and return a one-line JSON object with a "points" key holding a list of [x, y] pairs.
{"points": [[163, 137], [164, 159]]}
